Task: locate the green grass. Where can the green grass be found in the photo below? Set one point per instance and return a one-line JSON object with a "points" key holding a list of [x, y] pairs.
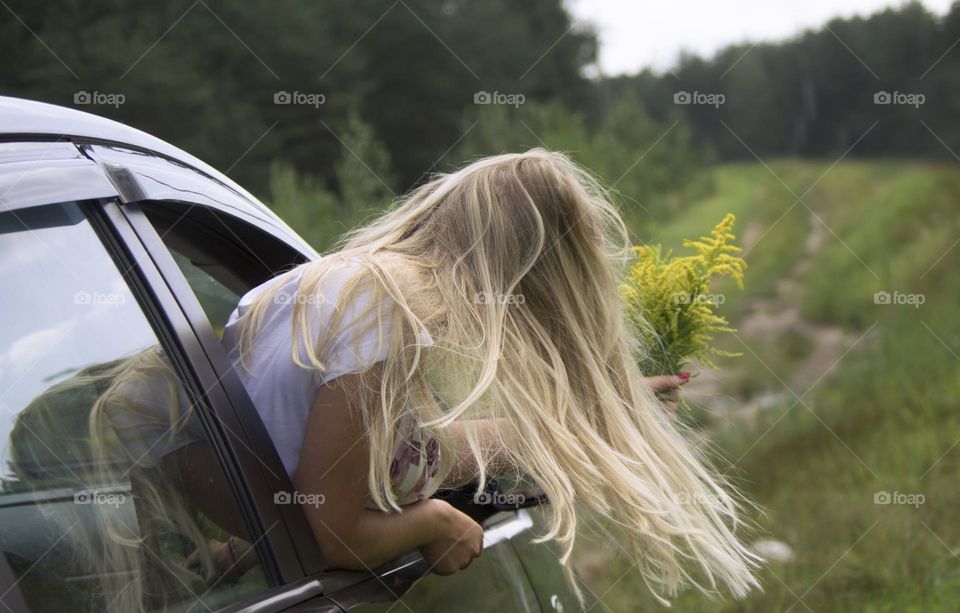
{"points": [[883, 419], [761, 204], [780, 355]]}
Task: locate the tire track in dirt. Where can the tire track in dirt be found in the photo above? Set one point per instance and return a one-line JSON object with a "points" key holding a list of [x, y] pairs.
{"points": [[765, 319]]}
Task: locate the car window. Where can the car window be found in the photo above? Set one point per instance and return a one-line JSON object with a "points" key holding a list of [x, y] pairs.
{"points": [[221, 257], [218, 301], [111, 497]]}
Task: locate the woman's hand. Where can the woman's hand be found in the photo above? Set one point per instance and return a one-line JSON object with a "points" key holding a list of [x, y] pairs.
{"points": [[460, 540], [667, 388]]}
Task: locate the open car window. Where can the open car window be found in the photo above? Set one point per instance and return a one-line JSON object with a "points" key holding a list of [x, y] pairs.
{"points": [[221, 257]]}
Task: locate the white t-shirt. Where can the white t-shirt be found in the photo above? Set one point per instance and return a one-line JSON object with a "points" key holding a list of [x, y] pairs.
{"points": [[283, 392]]}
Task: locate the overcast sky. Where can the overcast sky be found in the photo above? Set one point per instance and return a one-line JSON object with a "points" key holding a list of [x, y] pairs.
{"points": [[635, 34]]}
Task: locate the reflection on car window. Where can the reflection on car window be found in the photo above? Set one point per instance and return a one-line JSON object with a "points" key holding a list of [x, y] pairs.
{"points": [[111, 497]]}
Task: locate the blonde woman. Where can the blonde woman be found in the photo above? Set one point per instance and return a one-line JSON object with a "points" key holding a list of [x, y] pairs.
{"points": [[476, 329]]}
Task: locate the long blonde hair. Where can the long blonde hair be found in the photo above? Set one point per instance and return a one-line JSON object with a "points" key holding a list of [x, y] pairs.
{"points": [[513, 264]]}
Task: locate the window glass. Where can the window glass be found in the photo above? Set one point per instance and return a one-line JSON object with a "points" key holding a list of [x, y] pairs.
{"points": [[217, 300], [111, 497], [220, 256]]}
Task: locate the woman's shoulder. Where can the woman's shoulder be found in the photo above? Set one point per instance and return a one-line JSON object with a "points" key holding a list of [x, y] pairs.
{"points": [[363, 299], [352, 285], [318, 282], [343, 302]]}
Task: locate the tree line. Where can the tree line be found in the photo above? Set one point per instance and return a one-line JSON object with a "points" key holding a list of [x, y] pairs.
{"points": [[329, 109], [888, 83]]}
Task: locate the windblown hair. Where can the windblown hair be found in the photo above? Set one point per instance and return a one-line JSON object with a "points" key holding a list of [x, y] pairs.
{"points": [[513, 265]]}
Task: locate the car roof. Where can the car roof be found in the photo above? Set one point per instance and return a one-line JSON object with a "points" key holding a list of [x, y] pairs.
{"points": [[22, 119]]}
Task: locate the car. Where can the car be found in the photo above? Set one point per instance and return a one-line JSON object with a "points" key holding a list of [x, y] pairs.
{"points": [[133, 458]]}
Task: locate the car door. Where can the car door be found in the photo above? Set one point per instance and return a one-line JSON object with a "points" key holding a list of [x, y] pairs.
{"points": [[125, 470]]}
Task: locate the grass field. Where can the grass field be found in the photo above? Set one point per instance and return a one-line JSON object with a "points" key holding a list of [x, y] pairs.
{"points": [[860, 398]]}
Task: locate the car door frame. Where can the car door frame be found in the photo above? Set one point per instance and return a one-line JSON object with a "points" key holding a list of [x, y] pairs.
{"points": [[143, 178], [249, 460], [138, 187], [313, 588]]}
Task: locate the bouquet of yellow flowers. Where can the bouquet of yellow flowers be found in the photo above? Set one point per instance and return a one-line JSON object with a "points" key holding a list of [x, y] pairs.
{"points": [[669, 302]]}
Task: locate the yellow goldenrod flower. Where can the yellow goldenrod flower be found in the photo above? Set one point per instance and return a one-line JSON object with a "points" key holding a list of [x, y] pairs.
{"points": [[669, 302]]}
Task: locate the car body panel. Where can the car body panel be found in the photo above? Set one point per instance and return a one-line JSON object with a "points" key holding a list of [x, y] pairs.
{"points": [[34, 174], [26, 120], [159, 179], [495, 581]]}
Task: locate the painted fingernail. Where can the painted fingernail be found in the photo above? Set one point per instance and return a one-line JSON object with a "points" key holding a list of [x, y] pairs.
{"points": [[684, 376]]}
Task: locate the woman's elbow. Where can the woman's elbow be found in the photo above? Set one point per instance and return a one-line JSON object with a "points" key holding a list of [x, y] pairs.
{"points": [[344, 551], [341, 557]]}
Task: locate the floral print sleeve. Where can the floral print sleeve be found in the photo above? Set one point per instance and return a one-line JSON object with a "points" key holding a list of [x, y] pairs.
{"points": [[414, 472]]}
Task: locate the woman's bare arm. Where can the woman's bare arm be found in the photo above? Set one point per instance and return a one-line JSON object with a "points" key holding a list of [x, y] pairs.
{"points": [[333, 462]]}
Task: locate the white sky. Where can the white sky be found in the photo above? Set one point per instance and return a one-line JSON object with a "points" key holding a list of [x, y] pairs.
{"points": [[635, 34]]}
